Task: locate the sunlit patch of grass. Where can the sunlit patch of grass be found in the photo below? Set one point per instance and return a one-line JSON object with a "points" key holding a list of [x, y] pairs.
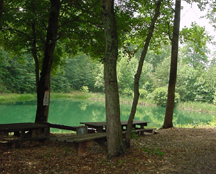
{"points": [[74, 94], [198, 107], [16, 97], [213, 122], [61, 95], [25, 97], [210, 124], [79, 96]]}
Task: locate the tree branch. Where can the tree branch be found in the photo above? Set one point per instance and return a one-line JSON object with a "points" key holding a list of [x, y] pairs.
{"points": [[169, 34], [83, 12], [20, 32]]}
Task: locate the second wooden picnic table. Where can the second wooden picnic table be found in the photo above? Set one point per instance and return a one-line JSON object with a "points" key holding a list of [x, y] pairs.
{"points": [[15, 134], [101, 126]]}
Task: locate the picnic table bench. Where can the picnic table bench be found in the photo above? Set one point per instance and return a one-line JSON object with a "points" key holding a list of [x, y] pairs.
{"points": [[83, 141], [86, 140], [17, 133]]}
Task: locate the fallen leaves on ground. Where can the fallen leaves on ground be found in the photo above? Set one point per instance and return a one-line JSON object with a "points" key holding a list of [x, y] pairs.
{"points": [[176, 150]]}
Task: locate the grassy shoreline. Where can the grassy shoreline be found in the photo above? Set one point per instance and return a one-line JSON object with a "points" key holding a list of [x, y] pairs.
{"points": [[4, 98], [187, 106]]}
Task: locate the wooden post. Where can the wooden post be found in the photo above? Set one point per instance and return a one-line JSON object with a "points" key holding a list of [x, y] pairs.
{"points": [[33, 134], [22, 136], [81, 148], [2, 135]]}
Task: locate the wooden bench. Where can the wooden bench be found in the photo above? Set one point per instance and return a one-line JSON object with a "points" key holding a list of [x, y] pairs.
{"points": [[86, 140], [83, 141]]}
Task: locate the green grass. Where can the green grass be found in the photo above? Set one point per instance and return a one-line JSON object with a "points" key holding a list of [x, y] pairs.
{"points": [[61, 95], [26, 97], [16, 97], [74, 94], [99, 96], [198, 107]]}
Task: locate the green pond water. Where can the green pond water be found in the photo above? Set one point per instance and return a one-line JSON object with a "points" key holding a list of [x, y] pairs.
{"points": [[72, 112]]}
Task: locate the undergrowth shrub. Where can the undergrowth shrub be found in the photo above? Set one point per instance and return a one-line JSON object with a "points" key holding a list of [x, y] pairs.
{"points": [[84, 89], [159, 96], [143, 93]]}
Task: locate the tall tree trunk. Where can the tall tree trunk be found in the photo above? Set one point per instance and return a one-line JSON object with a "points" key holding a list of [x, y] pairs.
{"points": [[43, 91], [138, 74], [173, 68], [114, 131]]}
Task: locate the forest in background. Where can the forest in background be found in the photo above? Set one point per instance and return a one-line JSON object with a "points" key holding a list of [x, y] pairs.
{"points": [[195, 80], [78, 64]]}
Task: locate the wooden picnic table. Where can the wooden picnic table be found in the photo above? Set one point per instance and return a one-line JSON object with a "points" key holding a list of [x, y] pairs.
{"points": [[101, 126], [20, 132]]}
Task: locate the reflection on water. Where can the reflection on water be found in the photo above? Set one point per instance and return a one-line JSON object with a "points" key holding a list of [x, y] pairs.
{"points": [[72, 112]]}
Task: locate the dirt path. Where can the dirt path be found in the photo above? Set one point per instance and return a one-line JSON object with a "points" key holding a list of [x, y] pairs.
{"points": [[176, 150]]}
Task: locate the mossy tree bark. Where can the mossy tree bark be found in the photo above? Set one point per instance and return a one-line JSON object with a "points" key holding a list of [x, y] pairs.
{"points": [[113, 128]]}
